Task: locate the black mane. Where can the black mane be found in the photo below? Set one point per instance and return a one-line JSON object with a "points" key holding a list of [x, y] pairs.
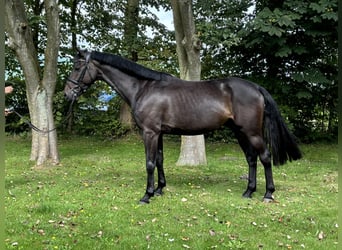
{"points": [[128, 66]]}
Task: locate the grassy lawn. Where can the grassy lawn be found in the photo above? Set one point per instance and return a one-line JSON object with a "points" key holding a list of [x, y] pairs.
{"points": [[90, 201]]}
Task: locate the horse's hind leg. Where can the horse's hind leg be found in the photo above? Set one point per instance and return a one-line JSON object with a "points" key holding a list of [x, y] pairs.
{"points": [[265, 158], [251, 157]]}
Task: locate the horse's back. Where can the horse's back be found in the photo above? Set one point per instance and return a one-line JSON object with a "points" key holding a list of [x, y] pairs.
{"points": [[191, 107], [243, 91], [186, 107]]}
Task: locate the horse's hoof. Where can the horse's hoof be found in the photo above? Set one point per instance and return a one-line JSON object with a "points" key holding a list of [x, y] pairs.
{"points": [[145, 199], [247, 194], [158, 192], [144, 202], [268, 200]]}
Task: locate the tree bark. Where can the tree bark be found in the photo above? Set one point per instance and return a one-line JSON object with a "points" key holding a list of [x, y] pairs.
{"points": [[188, 51], [73, 24], [131, 29], [39, 91], [130, 44]]}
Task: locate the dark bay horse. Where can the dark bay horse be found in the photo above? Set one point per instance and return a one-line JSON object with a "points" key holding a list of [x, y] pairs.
{"points": [[163, 104]]}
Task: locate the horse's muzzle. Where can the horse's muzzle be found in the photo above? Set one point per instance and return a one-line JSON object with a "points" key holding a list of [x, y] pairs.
{"points": [[71, 94]]}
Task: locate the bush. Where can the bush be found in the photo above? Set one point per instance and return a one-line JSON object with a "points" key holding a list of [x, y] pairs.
{"points": [[99, 123]]}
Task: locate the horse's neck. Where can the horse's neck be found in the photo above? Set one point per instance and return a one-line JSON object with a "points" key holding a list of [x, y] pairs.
{"points": [[126, 85]]}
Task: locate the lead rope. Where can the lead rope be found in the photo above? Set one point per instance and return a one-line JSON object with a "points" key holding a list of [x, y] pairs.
{"points": [[29, 123]]}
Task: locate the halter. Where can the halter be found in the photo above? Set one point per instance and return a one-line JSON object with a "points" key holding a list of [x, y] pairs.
{"points": [[80, 86]]}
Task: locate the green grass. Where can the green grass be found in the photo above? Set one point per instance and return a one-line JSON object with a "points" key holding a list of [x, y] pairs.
{"points": [[90, 201]]}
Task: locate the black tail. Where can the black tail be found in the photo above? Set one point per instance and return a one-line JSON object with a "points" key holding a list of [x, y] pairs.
{"points": [[278, 138]]}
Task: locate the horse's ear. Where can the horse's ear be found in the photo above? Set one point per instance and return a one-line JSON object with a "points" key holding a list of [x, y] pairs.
{"points": [[82, 53]]}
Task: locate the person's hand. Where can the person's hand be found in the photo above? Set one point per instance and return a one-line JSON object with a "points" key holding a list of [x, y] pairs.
{"points": [[8, 89], [7, 112]]}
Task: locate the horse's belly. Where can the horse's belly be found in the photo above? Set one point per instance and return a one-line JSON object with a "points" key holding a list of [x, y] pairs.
{"points": [[193, 124]]}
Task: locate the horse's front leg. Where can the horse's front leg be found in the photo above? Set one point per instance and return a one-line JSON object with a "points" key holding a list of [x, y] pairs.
{"points": [[151, 144], [251, 186], [160, 168]]}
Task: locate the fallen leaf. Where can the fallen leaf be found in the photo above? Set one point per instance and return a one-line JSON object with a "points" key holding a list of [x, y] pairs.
{"points": [[232, 236], [41, 231], [10, 193], [140, 223], [321, 235], [61, 223], [244, 177]]}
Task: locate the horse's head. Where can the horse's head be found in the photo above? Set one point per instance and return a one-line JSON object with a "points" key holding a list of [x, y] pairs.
{"points": [[84, 74]]}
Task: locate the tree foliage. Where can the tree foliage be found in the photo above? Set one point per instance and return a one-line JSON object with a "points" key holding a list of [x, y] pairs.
{"points": [[299, 54], [290, 47]]}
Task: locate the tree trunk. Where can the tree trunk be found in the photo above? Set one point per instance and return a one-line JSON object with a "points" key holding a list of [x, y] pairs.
{"points": [[130, 43], [73, 24], [188, 51], [73, 31], [126, 117], [39, 91]]}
